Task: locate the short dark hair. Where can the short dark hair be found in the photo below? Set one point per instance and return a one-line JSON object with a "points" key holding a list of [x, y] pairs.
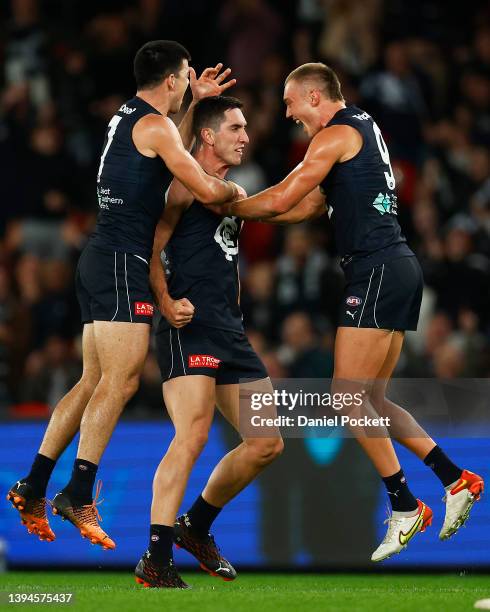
{"points": [[156, 60], [210, 112], [324, 75]]}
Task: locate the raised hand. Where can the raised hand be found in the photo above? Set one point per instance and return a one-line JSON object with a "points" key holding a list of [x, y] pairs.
{"points": [[210, 83]]}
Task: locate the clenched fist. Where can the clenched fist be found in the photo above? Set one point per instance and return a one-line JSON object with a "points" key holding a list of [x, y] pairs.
{"points": [[177, 312]]}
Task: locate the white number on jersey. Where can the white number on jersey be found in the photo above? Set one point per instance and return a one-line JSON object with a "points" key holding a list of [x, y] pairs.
{"points": [[385, 156], [113, 123]]}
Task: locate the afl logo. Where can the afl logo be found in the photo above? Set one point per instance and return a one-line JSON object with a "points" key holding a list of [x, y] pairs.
{"points": [[226, 236], [353, 300]]}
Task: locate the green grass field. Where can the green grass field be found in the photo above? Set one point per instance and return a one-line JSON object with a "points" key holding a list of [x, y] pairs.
{"points": [[256, 592]]}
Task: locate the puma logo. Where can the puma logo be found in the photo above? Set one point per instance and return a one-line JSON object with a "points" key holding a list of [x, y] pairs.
{"points": [[352, 314]]}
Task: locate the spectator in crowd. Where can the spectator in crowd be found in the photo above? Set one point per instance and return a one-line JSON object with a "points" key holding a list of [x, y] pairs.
{"points": [[301, 352]]}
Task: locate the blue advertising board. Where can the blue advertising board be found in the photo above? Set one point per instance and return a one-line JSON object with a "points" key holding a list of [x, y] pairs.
{"points": [[301, 513]]}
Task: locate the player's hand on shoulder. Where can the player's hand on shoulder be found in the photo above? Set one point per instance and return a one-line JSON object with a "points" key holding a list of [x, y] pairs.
{"points": [[212, 82], [177, 312]]}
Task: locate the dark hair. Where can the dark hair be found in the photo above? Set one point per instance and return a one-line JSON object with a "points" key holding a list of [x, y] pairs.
{"points": [[210, 112], [156, 60], [323, 75]]}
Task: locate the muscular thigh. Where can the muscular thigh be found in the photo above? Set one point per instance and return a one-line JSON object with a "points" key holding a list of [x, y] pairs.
{"points": [[230, 399], [361, 352], [190, 402], [121, 347]]}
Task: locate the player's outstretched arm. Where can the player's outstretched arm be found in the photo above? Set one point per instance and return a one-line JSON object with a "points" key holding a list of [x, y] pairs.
{"points": [[327, 147], [177, 312], [156, 135], [311, 206], [210, 83]]}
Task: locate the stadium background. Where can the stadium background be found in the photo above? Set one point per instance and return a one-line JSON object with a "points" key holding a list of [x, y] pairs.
{"points": [[423, 70]]}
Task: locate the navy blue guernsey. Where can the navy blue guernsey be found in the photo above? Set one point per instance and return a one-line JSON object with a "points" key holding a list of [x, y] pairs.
{"points": [[361, 198], [202, 264], [130, 187]]}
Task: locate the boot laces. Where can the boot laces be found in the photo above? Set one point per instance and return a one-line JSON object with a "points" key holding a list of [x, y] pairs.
{"points": [[90, 513]]}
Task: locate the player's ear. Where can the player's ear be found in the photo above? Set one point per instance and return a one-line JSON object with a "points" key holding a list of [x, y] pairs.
{"points": [[207, 136], [171, 81], [314, 97]]}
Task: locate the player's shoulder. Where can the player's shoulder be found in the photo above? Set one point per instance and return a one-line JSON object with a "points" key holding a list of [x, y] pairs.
{"points": [[334, 137], [154, 133], [154, 123]]}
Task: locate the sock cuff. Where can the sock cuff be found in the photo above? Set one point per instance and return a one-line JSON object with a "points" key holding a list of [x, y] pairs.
{"points": [[432, 454], [397, 476], [42, 459], [201, 500], [159, 529]]}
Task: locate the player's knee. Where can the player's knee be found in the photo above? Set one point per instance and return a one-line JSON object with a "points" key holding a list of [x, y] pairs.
{"points": [[266, 450], [129, 386], [88, 382], [194, 444], [343, 391], [377, 400]]}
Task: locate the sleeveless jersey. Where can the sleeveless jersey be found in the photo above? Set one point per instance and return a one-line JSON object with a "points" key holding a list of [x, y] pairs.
{"points": [[130, 187], [202, 265], [361, 199]]}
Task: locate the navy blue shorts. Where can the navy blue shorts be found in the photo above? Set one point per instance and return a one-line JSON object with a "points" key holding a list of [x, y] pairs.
{"points": [[194, 349], [113, 286], [386, 296]]}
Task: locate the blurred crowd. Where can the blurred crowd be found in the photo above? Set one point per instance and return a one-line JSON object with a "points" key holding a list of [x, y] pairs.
{"points": [[421, 68]]}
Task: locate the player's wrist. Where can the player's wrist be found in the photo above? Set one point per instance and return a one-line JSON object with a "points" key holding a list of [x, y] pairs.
{"points": [[165, 302]]}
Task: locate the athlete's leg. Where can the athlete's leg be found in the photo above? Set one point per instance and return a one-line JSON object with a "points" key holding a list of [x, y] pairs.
{"points": [[241, 465], [28, 494], [121, 349], [462, 487], [408, 432], [190, 402], [66, 417], [234, 472], [359, 356]]}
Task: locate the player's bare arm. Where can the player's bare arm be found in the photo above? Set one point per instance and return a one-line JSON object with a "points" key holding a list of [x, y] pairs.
{"points": [[177, 312], [334, 144], [210, 83], [311, 207], [155, 135]]}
